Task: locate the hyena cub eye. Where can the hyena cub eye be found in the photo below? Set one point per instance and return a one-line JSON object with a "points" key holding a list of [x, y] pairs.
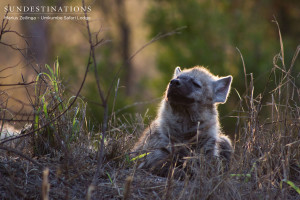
{"points": [[196, 84]]}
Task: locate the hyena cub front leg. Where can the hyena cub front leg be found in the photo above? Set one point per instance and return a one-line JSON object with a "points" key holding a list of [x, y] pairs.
{"points": [[225, 148], [152, 145], [157, 161], [159, 155], [210, 148]]}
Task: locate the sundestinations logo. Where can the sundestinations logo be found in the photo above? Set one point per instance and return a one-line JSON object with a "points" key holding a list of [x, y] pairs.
{"points": [[47, 9], [46, 12]]}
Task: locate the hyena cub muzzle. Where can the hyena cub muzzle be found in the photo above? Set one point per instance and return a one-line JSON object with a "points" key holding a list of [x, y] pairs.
{"points": [[187, 122]]}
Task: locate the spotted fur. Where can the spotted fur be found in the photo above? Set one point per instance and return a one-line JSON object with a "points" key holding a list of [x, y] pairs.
{"points": [[187, 121]]}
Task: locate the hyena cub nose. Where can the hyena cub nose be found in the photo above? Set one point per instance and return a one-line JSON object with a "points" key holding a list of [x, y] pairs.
{"points": [[175, 83], [187, 121]]}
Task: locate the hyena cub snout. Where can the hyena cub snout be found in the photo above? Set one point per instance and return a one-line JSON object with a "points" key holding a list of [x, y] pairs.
{"points": [[187, 121], [179, 91], [175, 83]]}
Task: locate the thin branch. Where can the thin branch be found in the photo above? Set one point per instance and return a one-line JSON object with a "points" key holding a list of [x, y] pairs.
{"points": [[18, 120], [15, 32], [54, 119], [27, 93], [21, 155], [4, 30], [92, 48], [244, 67], [281, 43], [156, 38], [4, 24], [13, 46], [3, 77], [100, 152], [6, 68], [18, 84]]}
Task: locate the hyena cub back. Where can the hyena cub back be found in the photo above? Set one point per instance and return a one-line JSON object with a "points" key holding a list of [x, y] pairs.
{"points": [[187, 121]]}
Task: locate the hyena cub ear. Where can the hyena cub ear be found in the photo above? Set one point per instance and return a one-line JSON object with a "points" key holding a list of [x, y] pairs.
{"points": [[221, 89], [176, 72]]}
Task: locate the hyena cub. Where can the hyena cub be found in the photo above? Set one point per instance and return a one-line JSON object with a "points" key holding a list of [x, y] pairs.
{"points": [[187, 121]]}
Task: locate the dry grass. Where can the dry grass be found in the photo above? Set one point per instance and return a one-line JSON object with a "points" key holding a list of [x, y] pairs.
{"points": [[266, 157]]}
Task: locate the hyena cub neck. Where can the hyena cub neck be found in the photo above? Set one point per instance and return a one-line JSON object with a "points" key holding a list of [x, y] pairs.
{"points": [[187, 115]]}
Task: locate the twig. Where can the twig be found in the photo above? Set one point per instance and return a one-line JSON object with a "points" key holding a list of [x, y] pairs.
{"points": [[245, 73], [17, 84], [4, 30], [156, 38], [92, 49], [61, 114], [281, 43], [6, 68], [100, 152], [21, 155]]}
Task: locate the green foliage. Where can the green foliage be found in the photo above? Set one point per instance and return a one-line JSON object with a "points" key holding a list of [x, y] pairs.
{"points": [[111, 181], [139, 156], [247, 176], [214, 30], [49, 105], [290, 183], [118, 98]]}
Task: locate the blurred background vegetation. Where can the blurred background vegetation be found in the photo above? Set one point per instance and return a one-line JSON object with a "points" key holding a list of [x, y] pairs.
{"points": [[210, 35]]}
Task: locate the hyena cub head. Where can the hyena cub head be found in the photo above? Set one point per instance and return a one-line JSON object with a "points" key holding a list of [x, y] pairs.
{"points": [[197, 87]]}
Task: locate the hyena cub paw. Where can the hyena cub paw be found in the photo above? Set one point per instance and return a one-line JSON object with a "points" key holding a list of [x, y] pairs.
{"points": [[225, 150]]}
